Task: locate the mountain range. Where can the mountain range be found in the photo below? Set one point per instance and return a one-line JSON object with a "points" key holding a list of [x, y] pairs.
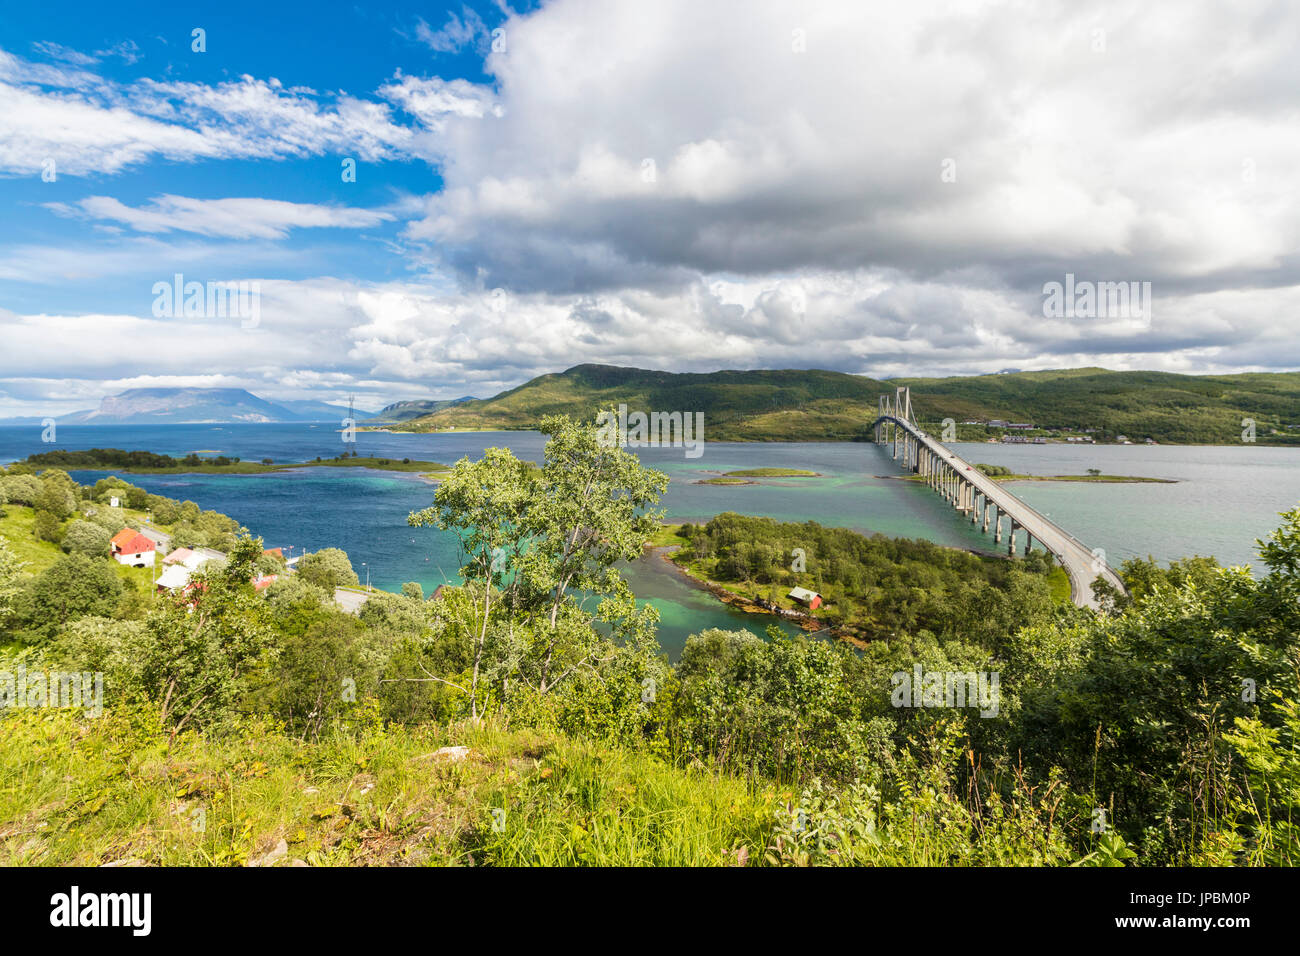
{"points": [[820, 405], [166, 406]]}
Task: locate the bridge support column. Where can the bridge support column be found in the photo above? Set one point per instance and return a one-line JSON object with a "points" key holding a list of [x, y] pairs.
{"points": [[1029, 543], [1011, 540], [974, 506], [997, 525], [985, 529]]}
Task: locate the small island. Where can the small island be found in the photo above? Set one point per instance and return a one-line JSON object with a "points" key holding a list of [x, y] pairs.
{"points": [[1000, 473], [151, 463], [742, 476]]}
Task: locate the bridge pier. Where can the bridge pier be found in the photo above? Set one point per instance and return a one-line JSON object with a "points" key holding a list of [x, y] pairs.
{"points": [[997, 525], [974, 505], [1029, 542], [1011, 540], [985, 529]]}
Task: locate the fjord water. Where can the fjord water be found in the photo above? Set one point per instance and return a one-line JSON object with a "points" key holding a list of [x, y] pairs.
{"points": [[1225, 497]]}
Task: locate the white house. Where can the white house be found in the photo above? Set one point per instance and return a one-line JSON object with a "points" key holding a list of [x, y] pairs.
{"points": [[132, 548]]}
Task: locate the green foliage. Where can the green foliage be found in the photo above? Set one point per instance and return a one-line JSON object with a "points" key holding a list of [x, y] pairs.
{"points": [[86, 537], [328, 568], [880, 585], [202, 648], [1270, 805], [22, 489], [549, 541], [59, 494], [11, 570], [74, 586], [47, 527]]}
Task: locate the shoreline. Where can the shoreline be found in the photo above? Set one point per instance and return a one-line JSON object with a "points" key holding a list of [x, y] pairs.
{"points": [[807, 622]]}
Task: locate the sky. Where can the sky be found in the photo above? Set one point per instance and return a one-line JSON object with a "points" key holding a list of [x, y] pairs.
{"points": [[431, 201]]}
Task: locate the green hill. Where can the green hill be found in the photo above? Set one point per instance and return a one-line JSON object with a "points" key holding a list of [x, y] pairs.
{"points": [[819, 405]]}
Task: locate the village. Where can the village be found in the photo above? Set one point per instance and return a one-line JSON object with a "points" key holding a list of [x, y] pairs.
{"points": [[174, 568]]}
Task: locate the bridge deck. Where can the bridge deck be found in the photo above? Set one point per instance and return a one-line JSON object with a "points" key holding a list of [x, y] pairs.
{"points": [[1075, 557]]}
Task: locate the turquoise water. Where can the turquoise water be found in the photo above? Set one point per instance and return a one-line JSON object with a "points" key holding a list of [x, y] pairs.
{"points": [[1225, 498]]}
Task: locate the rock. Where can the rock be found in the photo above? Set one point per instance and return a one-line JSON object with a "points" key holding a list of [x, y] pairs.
{"points": [[270, 859], [447, 754], [128, 861], [299, 863]]}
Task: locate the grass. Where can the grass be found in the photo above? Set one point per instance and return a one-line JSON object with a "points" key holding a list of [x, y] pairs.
{"points": [[724, 480], [1059, 584], [667, 536], [82, 791]]}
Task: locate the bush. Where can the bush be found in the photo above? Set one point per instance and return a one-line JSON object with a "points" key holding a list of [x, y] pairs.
{"points": [[328, 568], [86, 537], [74, 586], [47, 527], [22, 489]]}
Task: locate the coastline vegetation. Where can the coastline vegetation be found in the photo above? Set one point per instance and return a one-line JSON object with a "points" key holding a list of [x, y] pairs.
{"points": [[151, 463]]}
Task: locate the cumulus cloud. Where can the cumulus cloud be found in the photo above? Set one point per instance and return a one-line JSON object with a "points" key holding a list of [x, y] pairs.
{"points": [[636, 141]]}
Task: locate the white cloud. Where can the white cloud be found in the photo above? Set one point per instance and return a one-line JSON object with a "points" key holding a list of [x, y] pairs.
{"points": [[247, 218], [89, 125], [457, 33]]}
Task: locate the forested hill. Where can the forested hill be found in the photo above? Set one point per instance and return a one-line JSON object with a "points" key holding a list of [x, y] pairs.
{"points": [[819, 405]]}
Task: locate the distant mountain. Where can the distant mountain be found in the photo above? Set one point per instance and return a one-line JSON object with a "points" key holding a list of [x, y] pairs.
{"points": [[819, 405], [403, 411], [157, 406]]}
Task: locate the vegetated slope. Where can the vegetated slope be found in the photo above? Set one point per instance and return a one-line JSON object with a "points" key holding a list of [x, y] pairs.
{"points": [[1161, 405], [819, 405], [752, 405]]}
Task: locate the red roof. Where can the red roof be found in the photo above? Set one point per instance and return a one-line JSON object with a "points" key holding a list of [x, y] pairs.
{"points": [[264, 582], [275, 551], [128, 541]]}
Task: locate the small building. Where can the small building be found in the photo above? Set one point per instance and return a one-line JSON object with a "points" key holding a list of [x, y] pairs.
{"points": [[179, 556], [809, 599], [173, 578], [264, 581], [131, 548], [114, 502]]}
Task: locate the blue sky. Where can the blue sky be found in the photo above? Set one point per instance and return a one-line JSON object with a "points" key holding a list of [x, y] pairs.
{"points": [[882, 190]]}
